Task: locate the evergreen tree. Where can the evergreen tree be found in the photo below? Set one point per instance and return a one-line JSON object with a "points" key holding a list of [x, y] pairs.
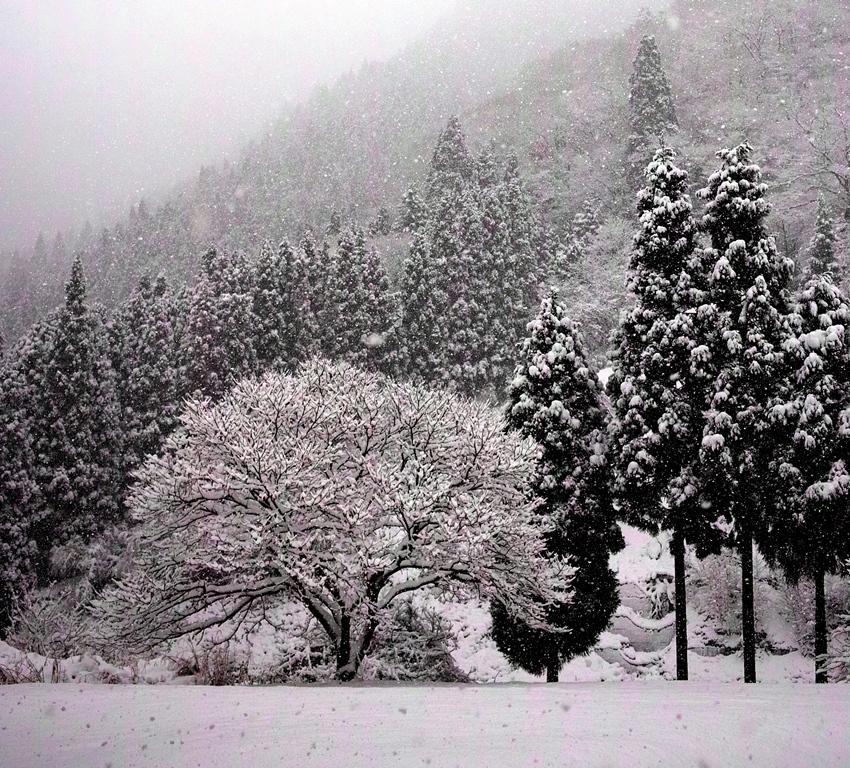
{"points": [[279, 282], [822, 248], [652, 113], [345, 323], [471, 281], [412, 213], [748, 292], [19, 501], [144, 343], [216, 347], [66, 386], [423, 312], [451, 165], [381, 335], [557, 400], [811, 534], [658, 389]]}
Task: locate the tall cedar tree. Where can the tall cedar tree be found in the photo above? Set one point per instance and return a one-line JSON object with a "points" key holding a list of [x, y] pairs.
{"points": [[811, 535], [823, 255], [356, 313], [658, 393], [748, 295], [471, 279], [216, 348], [19, 499], [424, 300], [557, 400], [279, 287], [652, 113], [144, 337], [66, 385]]}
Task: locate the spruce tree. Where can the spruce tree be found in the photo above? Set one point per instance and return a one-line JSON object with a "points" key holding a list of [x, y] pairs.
{"points": [[748, 293], [144, 346], [423, 312], [557, 400], [823, 257], [279, 285], [652, 113], [811, 534], [217, 345], [19, 500], [659, 388], [381, 311], [66, 386], [345, 323]]}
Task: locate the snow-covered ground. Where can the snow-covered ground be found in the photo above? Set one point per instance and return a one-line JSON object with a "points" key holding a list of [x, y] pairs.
{"points": [[620, 724]]}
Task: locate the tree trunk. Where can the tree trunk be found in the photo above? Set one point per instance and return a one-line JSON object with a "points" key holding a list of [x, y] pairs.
{"points": [[748, 615], [820, 627], [678, 545], [345, 665], [553, 668]]}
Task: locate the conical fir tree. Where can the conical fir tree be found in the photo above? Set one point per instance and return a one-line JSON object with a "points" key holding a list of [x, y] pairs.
{"points": [[659, 387], [423, 310], [652, 113], [823, 255], [748, 289], [66, 386], [216, 348], [144, 347], [557, 400], [811, 534], [19, 500]]}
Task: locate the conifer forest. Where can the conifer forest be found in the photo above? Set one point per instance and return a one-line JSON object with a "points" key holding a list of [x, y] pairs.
{"points": [[518, 355]]}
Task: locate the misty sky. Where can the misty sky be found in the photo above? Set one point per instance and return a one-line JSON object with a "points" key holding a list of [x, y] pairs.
{"points": [[105, 101]]}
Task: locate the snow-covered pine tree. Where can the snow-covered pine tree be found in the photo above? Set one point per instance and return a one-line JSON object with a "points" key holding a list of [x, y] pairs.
{"points": [[382, 312], [216, 348], [659, 388], [345, 322], [279, 283], [748, 290], [557, 400], [144, 349], [823, 256], [452, 166], [811, 534], [652, 113], [423, 312], [66, 388], [19, 500]]}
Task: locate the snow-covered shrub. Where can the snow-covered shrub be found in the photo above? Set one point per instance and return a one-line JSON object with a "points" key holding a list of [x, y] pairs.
{"points": [[49, 625], [660, 593], [714, 589], [415, 643], [213, 663], [838, 665]]}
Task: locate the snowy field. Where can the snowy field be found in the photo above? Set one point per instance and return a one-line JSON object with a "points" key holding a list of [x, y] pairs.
{"points": [[713, 725]]}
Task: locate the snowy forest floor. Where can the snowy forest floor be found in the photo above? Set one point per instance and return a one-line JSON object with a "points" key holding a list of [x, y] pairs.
{"points": [[711, 725]]}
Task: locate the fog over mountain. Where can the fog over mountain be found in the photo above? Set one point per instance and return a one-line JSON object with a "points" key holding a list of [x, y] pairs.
{"points": [[104, 102]]}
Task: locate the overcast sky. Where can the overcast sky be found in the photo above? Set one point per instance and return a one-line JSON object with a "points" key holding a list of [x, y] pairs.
{"points": [[104, 101]]}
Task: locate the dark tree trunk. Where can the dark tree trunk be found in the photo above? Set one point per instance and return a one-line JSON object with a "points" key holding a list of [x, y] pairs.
{"points": [[820, 627], [678, 545], [345, 667], [553, 668], [748, 615]]}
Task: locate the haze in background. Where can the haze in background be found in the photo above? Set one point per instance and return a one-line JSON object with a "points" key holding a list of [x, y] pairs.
{"points": [[102, 102]]}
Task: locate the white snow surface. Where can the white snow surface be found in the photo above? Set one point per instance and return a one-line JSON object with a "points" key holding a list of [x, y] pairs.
{"points": [[627, 724]]}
